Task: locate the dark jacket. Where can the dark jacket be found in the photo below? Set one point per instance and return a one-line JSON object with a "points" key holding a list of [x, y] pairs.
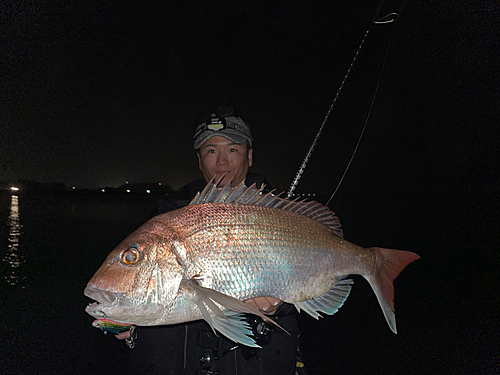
{"points": [[193, 349]]}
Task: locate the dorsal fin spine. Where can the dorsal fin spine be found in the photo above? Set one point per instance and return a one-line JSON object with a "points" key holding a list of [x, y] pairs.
{"points": [[254, 196]]}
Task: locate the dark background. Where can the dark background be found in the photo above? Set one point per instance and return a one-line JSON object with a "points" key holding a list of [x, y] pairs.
{"points": [[97, 93]]}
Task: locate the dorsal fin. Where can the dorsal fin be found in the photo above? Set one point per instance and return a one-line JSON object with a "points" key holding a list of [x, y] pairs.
{"points": [[253, 195]]}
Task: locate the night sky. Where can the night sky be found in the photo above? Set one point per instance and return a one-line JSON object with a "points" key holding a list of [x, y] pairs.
{"points": [[99, 93], [96, 93]]}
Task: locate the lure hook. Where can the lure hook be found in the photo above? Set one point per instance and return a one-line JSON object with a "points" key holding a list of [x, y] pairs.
{"points": [[130, 342]]}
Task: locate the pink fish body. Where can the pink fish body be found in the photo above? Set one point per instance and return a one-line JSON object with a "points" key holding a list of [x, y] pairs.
{"points": [[230, 245]]}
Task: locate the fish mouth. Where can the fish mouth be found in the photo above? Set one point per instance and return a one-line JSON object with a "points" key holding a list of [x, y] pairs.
{"points": [[105, 300]]}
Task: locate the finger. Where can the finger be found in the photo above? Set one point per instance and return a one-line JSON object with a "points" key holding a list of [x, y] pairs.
{"points": [[272, 305], [252, 302], [267, 305], [263, 304], [274, 301], [123, 335], [258, 302]]}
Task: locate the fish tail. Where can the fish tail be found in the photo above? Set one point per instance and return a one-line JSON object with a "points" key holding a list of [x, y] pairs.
{"points": [[390, 263]]}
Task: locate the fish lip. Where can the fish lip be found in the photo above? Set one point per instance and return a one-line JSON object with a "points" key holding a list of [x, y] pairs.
{"points": [[104, 297], [106, 300]]}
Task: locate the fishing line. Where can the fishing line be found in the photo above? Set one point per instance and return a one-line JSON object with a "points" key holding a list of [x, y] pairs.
{"points": [[391, 17]]}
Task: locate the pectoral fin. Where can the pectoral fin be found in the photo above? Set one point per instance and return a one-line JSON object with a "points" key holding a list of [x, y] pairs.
{"points": [[328, 303], [227, 323], [235, 327]]}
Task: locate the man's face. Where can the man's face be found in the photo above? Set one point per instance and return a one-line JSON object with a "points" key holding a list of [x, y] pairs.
{"points": [[219, 156]]}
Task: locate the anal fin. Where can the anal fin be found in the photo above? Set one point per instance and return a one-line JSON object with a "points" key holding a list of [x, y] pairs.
{"points": [[328, 303]]}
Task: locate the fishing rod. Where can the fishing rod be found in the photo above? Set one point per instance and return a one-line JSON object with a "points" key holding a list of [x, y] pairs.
{"points": [[391, 17]]}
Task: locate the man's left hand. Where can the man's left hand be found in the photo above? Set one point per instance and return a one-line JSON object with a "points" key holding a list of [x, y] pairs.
{"points": [[267, 305]]}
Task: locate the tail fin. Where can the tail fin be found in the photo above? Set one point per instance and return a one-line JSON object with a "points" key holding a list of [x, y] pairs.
{"points": [[390, 263]]}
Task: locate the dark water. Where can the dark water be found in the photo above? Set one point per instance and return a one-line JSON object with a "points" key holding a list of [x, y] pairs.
{"points": [[61, 243], [446, 303]]}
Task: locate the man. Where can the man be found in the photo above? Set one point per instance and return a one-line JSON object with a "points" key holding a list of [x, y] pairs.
{"points": [[223, 143]]}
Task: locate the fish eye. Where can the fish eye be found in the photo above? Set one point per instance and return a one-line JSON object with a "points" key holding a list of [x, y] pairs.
{"points": [[130, 256]]}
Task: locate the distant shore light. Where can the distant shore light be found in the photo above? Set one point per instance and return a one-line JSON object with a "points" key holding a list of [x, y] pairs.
{"points": [[103, 190], [73, 187], [13, 188], [148, 191], [128, 191], [159, 183]]}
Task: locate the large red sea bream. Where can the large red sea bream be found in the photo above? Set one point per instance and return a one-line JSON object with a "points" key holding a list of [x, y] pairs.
{"points": [[230, 245]]}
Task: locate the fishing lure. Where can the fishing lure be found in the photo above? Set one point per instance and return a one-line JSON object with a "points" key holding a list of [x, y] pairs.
{"points": [[108, 325]]}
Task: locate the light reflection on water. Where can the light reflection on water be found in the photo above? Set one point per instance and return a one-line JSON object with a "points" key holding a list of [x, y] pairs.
{"points": [[13, 257]]}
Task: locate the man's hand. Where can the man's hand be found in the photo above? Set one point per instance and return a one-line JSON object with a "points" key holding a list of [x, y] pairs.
{"points": [[267, 305], [123, 335]]}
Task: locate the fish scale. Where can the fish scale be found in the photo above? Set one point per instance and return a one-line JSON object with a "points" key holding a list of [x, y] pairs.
{"points": [[230, 245], [261, 248]]}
